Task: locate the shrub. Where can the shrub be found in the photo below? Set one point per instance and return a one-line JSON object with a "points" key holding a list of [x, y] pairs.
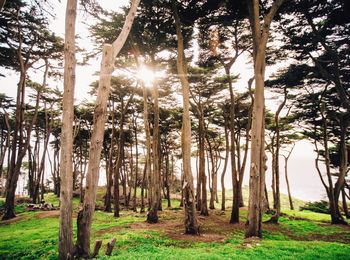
{"points": [[316, 206]]}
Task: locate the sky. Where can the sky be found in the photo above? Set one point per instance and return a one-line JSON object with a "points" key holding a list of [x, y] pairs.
{"points": [[304, 181]]}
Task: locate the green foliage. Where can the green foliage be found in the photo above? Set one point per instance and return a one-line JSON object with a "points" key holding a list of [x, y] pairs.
{"points": [[316, 206]]}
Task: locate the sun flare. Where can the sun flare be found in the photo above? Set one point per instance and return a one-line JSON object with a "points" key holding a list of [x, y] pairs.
{"points": [[148, 76]]}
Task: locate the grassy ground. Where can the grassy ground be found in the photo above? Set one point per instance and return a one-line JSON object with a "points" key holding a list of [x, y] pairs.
{"points": [[300, 235]]}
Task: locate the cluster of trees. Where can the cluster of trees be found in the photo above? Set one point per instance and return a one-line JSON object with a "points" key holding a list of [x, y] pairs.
{"points": [[138, 131]]}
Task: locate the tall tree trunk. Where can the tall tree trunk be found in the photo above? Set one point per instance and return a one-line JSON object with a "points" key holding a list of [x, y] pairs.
{"points": [[227, 150], [86, 213], [144, 177], [235, 184], [155, 196], [345, 205], [118, 166], [108, 195], [136, 165], [84, 219], [275, 217], [247, 139], [258, 158], [191, 223], [286, 158], [65, 245], [202, 177]]}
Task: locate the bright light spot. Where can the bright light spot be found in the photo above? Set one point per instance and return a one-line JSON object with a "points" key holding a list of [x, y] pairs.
{"points": [[148, 76]]}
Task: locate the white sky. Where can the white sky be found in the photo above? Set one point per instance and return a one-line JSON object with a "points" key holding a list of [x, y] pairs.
{"points": [[304, 181]]}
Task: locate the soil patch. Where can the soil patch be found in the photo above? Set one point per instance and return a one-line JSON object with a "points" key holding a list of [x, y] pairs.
{"points": [[48, 214]]}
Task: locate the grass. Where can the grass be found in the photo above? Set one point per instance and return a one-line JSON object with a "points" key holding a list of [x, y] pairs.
{"points": [[300, 235], [245, 190]]}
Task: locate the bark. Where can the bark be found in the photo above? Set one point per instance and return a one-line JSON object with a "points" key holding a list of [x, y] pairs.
{"points": [[136, 166], [275, 217], [118, 166], [148, 165], [213, 175], [257, 165], [108, 196], [65, 246], [286, 158], [224, 169], [247, 139], [86, 213], [345, 205], [336, 217], [202, 176], [155, 196], [167, 185], [235, 182], [191, 223], [144, 176]]}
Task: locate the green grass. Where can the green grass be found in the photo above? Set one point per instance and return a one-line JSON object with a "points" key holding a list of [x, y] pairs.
{"points": [[245, 190], [300, 235]]}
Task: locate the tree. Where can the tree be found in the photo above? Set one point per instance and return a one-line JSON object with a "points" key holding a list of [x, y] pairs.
{"points": [[110, 52], [322, 41], [24, 35], [227, 42], [191, 223], [65, 246], [260, 32]]}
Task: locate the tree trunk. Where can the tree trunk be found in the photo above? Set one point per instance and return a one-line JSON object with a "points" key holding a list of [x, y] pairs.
{"points": [[202, 177], [227, 150], [155, 196], [108, 195], [191, 224], [286, 158], [345, 205], [235, 182], [144, 177], [137, 165], [85, 215], [275, 217], [258, 158], [65, 245]]}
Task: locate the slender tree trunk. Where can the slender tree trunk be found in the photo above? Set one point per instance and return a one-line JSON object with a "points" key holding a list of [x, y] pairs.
{"points": [[155, 196], [118, 167], [235, 182], [191, 224], [227, 150], [108, 196], [137, 165], [286, 158], [333, 199], [65, 245], [86, 213], [144, 177], [275, 217], [202, 177], [258, 158], [345, 205]]}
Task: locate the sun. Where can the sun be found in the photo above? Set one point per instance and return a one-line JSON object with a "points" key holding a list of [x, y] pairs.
{"points": [[148, 76]]}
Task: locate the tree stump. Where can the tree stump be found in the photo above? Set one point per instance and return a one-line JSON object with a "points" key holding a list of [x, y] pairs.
{"points": [[110, 246], [98, 244]]}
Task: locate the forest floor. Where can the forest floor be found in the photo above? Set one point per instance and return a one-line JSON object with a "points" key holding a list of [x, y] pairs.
{"points": [[299, 235]]}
